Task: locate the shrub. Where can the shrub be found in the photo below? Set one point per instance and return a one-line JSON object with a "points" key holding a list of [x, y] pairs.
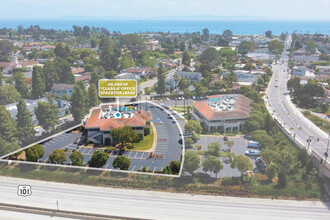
{"points": [[230, 181], [282, 181]]}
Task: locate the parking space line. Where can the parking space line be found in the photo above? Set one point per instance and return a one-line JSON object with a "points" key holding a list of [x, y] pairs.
{"points": [[142, 155], [129, 154], [154, 170], [148, 168], [90, 151], [133, 168], [106, 166]]}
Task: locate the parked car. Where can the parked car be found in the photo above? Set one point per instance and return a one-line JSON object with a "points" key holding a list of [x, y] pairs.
{"points": [[193, 97], [261, 165], [253, 144], [182, 98], [167, 99], [252, 152], [179, 98], [225, 138]]}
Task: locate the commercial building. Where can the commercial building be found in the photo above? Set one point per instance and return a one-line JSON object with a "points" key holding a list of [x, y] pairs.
{"points": [[102, 120], [223, 113]]}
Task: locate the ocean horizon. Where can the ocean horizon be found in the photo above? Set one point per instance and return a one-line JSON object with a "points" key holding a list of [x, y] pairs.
{"points": [[244, 27]]}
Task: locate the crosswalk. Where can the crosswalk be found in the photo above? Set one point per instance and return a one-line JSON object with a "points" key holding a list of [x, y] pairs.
{"points": [[162, 140]]}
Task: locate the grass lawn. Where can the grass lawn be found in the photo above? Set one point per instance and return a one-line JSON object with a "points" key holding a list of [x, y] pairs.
{"points": [[179, 109], [146, 143], [321, 123]]}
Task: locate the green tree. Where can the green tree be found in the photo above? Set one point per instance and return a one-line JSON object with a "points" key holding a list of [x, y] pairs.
{"points": [[275, 47], [175, 167], [176, 80], [268, 34], [51, 75], [246, 46], [38, 82], [191, 161], [185, 58], [46, 115], [182, 46], [206, 34], [34, 153], [124, 134], [77, 159], [271, 170], [121, 162], [210, 55], [126, 61], [193, 126], [78, 103], [7, 147], [98, 159], [61, 51], [293, 83], [64, 72], [282, 181], [8, 129], [229, 144], [134, 43], [212, 164], [20, 84], [93, 97], [228, 35], [310, 46], [8, 94], [25, 127], [214, 149], [242, 163], [303, 157], [57, 157], [183, 83], [6, 47], [161, 87]]}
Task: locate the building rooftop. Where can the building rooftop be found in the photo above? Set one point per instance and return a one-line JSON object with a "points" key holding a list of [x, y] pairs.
{"points": [[224, 107], [62, 86], [108, 117]]}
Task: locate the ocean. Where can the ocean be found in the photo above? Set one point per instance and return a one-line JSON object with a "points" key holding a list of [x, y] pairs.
{"points": [[246, 27]]}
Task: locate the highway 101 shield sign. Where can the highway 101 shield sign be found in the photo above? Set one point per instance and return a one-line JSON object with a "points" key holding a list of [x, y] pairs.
{"points": [[112, 88]]}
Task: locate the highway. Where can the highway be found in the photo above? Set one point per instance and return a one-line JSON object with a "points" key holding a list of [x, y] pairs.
{"points": [[155, 205], [287, 113]]}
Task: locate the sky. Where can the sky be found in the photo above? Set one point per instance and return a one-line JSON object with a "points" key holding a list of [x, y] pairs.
{"points": [[165, 9]]}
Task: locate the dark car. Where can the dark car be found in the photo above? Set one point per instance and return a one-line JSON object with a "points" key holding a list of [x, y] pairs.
{"points": [[261, 165], [225, 138]]}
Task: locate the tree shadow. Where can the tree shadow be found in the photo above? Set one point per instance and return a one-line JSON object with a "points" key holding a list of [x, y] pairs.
{"points": [[205, 178]]}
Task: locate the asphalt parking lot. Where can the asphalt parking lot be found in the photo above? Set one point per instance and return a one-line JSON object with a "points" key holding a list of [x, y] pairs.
{"points": [[240, 146], [62, 141], [168, 144]]}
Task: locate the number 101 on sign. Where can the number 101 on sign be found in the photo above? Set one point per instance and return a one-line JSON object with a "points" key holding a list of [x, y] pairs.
{"points": [[24, 190]]}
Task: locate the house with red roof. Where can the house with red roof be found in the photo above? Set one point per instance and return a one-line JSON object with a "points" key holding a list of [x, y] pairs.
{"points": [[102, 120], [222, 113]]}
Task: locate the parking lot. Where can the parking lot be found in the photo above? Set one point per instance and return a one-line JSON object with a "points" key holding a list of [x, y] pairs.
{"points": [[62, 141], [168, 144], [239, 147]]}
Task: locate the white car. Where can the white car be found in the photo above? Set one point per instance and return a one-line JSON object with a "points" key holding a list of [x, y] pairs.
{"points": [[167, 99], [252, 152]]}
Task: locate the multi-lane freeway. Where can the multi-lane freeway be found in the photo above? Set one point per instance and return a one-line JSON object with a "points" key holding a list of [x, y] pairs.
{"points": [[286, 112], [155, 205]]}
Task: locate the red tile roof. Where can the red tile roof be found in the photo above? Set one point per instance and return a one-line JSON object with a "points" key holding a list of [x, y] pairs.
{"points": [[94, 121]]}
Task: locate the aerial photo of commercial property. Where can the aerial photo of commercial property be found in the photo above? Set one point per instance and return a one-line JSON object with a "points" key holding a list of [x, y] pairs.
{"points": [[164, 109]]}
